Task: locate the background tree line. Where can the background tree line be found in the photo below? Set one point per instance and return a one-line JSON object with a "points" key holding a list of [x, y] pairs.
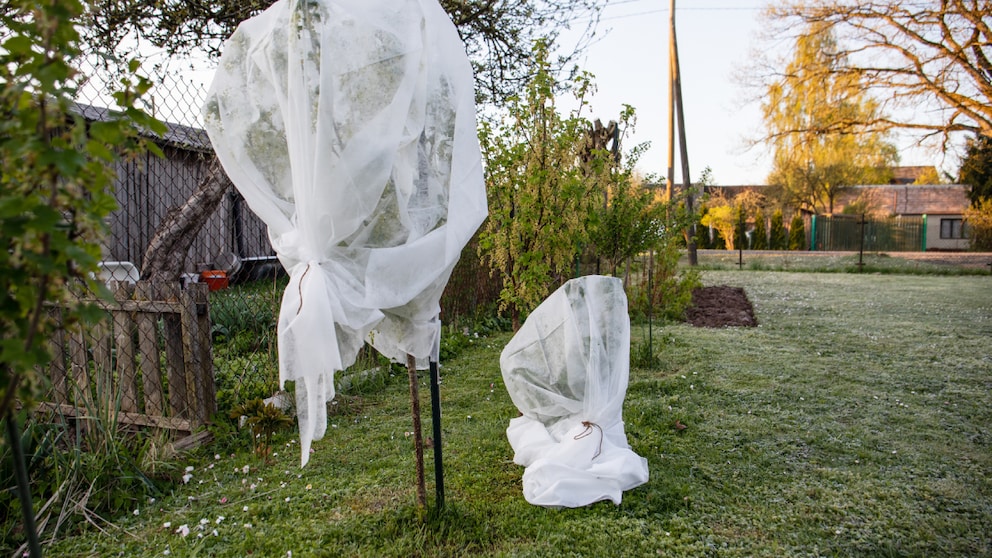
{"points": [[860, 71]]}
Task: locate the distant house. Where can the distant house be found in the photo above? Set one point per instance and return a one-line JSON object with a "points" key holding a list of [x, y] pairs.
{"points": [[941, 206], [147, 188]]}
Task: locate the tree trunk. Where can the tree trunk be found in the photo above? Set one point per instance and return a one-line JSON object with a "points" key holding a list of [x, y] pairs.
{"points": [[165, 256]]}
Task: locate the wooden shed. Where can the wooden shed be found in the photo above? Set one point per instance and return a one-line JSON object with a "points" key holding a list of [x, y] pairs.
{"points": [[147, 188]]}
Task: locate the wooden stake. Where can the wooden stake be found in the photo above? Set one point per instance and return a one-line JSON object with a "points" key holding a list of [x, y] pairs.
{"points": [[418, 437]]}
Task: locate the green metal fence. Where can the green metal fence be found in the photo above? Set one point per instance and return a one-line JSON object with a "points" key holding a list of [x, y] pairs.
{"points": [[847, 232]]}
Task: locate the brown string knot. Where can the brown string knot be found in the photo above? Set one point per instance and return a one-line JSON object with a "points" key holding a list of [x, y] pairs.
{"points": [[588, 431]]}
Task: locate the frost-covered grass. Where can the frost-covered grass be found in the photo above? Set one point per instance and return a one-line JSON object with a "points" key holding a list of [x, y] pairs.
{"points": [[855, 421], [903, 263]]}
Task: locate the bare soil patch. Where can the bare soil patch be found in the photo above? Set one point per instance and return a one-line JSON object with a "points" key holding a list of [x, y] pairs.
{"points": [[721, 306]]}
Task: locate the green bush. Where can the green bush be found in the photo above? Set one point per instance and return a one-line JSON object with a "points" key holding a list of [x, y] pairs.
{"points": [[670, 289]]}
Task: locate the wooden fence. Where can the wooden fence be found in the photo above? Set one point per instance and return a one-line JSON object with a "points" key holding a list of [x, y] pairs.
{"points": [[149, 364]]}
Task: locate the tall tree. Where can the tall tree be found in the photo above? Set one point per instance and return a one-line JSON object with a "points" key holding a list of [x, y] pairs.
{"points": [[815, 160], [976, 169], [721, 215], [929, 56], [498, 34]]}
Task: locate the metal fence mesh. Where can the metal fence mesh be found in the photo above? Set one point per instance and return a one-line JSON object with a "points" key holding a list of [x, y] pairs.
{"points": [[230, 253]]}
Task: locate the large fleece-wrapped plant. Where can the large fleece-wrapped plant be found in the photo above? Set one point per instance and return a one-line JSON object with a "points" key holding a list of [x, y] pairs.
{"points": [[349, 128]]}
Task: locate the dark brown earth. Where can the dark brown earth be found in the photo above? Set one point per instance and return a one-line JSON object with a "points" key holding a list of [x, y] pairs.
{"points": [[721, 306]]}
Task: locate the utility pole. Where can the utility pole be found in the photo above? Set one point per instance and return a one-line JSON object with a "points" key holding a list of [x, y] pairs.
{"points": [[675, 90]]}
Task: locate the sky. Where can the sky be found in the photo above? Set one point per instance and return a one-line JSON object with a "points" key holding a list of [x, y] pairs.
{"points": [[716, 38], [629, 59]]}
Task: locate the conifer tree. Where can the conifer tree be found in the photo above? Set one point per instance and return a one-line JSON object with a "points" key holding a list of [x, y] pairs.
{"points": [[760, 239], [778, 239], [797, 233]]}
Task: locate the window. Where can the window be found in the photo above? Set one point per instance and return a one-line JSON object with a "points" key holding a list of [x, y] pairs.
{"points": [[951, 228]]}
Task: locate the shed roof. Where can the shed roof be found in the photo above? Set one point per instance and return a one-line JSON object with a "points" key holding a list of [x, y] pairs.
{"points": [[176, 135]]}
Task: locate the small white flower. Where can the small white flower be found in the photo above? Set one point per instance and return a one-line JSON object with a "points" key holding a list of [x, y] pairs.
{"points": [[219, 519], [186, 478], [204, 521], [136, 511], [245, 469], [183, 530], [216, 456], [287, 497], [244, 509], [166, 552], [247, 525], [167, 524], [189, 469], [214, 532]]}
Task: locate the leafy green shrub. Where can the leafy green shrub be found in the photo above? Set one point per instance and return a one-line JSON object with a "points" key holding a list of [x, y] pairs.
{"points": [[251, 309], [263, 421], [241, 378], [643, 355], [672, 288]]}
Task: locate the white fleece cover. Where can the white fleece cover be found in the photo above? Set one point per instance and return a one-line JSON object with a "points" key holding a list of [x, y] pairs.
{"points": [[566, 370], [349, 128]]}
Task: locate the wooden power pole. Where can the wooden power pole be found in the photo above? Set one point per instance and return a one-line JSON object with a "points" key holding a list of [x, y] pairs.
{"points": [[675, 111]]}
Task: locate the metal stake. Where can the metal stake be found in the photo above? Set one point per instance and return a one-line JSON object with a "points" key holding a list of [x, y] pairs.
{"points": [[861, 249], [23, 488], [436, 419]]}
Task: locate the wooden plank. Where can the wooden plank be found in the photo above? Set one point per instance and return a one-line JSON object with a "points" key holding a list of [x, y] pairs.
{"points": [[150, 306], [193, 440], [57, 368], [190, 335], [204, 345], [174, 362], [149, 360], [127, 377], [136, 419], [79, 363]]}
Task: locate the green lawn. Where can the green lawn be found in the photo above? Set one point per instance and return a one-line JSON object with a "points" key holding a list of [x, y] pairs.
{"points": [[854, 421]]}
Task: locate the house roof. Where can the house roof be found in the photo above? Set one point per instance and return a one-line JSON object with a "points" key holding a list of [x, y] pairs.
{"points": [[915, 199], [176, 135], [894, 199]]}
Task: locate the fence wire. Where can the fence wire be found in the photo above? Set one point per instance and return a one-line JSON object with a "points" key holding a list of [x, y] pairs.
{"points": [[230, 253]]}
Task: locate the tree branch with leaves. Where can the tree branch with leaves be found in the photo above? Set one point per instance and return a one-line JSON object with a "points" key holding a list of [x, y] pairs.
{"points": [[930, 57]]}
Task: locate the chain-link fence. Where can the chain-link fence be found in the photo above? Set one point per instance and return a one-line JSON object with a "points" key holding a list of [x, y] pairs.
{"points": [[189, 230]]}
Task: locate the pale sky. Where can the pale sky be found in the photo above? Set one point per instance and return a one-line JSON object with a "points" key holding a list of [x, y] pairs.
{"points": [[716, 38], [629, 58]]}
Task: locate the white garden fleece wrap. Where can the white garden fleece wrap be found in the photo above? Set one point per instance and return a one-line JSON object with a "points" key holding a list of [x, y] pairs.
{"points": [[349, 128], [566, 370]]}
